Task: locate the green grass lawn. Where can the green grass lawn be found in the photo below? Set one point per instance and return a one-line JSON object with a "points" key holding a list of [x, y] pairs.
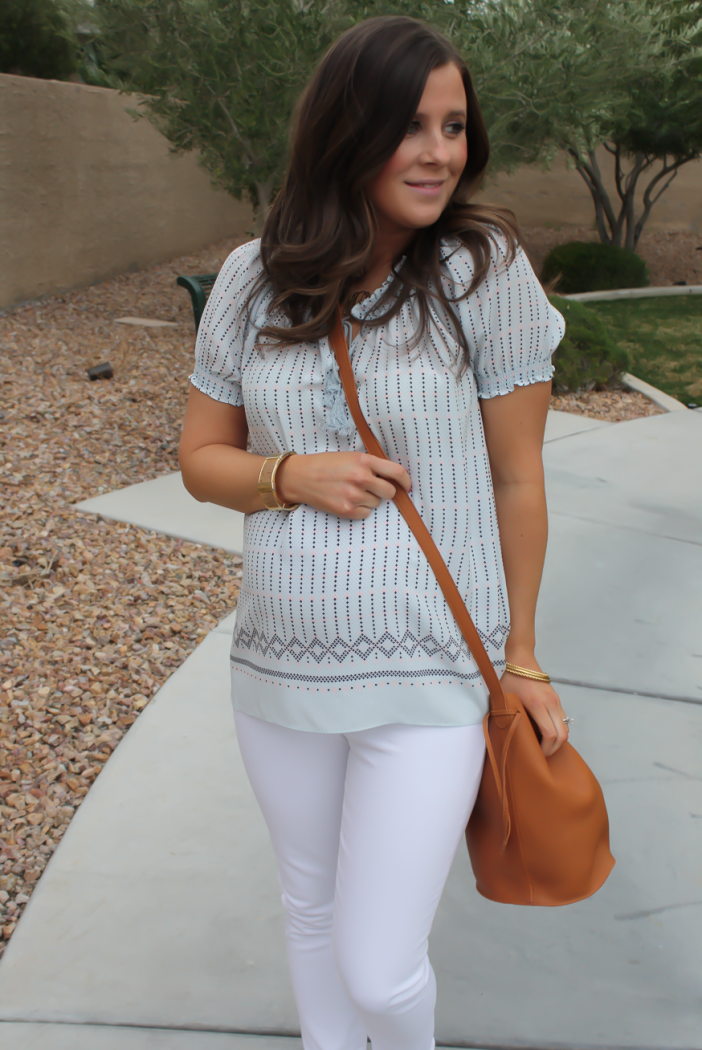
{"points": [[664, 337]]}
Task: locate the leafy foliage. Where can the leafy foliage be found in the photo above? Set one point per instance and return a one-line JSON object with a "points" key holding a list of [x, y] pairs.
{"points": [[588, 73], [222, 76], [35, 40], [587, 358], [591, 266], [219, 76], [539, 66]]}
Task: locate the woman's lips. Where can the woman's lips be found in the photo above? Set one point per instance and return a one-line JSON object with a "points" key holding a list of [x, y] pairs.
{"points": [[429, 189]]}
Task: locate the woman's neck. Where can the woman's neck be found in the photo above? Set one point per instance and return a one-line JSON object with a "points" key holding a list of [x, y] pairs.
{"points": [[389, 245]]}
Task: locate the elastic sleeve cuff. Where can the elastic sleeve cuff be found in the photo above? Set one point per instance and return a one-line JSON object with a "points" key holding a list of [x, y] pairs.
{"points": [[493, 386], [225, 390]]}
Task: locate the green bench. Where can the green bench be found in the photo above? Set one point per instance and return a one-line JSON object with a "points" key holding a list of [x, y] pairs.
{"points": [[199, 287]]}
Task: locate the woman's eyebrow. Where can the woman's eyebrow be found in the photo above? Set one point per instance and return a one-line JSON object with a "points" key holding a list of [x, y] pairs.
{"points": [[454, 113]]}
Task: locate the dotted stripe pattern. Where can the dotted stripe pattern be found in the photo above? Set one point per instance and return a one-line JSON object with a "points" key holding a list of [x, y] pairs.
{"points": [[325, 599], [360, 676]]}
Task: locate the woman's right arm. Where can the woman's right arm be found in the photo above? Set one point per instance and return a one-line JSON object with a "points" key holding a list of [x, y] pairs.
{"points": [[216, 467]]}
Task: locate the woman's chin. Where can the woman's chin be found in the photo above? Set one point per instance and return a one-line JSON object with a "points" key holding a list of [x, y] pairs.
{"points": [[419, 218]]}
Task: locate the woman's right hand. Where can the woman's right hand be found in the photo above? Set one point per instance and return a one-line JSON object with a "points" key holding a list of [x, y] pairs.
{"points": [[348, 484]]}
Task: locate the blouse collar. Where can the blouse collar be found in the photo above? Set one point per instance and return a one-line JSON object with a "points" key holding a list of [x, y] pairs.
{"points": [[363, 310]]}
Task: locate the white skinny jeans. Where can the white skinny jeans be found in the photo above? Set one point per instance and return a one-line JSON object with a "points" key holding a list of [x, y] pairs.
{"points": [[365, 827]]}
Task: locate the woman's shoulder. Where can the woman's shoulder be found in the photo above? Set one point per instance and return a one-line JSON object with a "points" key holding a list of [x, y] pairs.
{"points": [[237, 296], [243, 264], [241, 285]]}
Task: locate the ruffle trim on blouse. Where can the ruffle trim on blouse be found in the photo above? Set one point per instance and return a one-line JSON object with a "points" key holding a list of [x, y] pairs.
{"points": [[337, 418]]}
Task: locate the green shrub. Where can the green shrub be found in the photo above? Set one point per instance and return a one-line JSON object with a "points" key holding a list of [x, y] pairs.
{"points": [[587, 358], [35, 40], [591, 266]]}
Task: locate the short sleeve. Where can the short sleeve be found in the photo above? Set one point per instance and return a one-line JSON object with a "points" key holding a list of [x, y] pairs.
{"points": [[224, 327], [510, 326]]}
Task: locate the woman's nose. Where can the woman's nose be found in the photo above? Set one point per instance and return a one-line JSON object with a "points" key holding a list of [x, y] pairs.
{"points": [[436, 149]]}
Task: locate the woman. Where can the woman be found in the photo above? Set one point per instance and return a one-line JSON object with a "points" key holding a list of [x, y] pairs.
{"points": [[357, 705]]}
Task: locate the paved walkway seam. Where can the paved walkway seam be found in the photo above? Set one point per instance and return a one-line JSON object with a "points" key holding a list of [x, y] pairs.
{"points": [[625, 528], [557, 1046], [628, 692], [264, 1033]]}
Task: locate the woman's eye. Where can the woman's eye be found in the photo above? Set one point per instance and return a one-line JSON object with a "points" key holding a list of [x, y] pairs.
{"points": [[454, 128]]}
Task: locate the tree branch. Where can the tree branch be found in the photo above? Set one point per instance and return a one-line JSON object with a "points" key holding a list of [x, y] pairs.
{"points": [[250, 155], [600, 193], [649, 201], [626, 188], [591, 182], [510, 58]]}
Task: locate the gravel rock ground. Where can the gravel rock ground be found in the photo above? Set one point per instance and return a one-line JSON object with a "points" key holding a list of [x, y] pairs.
{"points": [[97, 614], [615, 406]]}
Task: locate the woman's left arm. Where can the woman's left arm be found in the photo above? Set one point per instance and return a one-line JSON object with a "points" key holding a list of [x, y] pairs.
{"points": [[514, 426]]}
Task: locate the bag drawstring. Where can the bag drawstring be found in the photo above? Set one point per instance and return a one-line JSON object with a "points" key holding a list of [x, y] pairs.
{"points": [[501, 775]]}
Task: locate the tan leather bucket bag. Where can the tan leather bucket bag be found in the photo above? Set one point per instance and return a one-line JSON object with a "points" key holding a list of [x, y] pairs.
{"points": [[539, 832]]}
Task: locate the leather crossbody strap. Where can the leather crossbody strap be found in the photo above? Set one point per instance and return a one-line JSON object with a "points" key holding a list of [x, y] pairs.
{"points": [[411, 515]]}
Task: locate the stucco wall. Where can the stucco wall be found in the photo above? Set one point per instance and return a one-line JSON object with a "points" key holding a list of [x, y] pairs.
{"points": [[86, 192], [559, 197]]}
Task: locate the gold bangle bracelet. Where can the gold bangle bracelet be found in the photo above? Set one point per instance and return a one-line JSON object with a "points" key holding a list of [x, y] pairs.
{"points": [[526, 672], [266, 483]]}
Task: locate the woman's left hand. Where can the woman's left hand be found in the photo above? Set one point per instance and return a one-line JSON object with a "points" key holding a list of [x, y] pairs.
{"points": [[543, 703]]}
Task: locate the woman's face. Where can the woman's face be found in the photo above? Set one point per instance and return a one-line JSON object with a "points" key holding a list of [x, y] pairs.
{"points": [[415, 185]]}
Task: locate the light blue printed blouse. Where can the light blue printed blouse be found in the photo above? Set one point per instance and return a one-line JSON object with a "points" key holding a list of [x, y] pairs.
{"points": [[341, 624]]}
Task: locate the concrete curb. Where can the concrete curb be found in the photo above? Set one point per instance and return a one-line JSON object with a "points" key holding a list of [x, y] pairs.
{"points": [[634, 293], [665, 401]]}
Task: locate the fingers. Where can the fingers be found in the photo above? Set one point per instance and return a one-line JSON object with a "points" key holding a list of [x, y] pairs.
{"points": [[373, 480], [385, 468], [349, 484], [549, 733], [555, 731], [380, 487], [543, 704], [561, 727], [366, 505]]}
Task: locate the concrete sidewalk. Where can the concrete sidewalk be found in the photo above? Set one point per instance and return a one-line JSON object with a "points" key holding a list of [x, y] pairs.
{"points": [[163, 505], [158, 921], [110, 1037]]}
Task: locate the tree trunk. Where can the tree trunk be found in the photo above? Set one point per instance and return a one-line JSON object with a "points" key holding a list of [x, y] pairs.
{"points": [[262, 204], [589, 170], [624, 229], [649, 200]]}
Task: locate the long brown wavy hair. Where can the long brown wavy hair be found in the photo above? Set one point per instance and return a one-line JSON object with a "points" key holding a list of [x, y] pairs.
{"points": [[353, 115]]}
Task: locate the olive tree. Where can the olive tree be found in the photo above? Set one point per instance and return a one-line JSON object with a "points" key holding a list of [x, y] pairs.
{"points": [[222, 77], [576, 75], [218, 76]]}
